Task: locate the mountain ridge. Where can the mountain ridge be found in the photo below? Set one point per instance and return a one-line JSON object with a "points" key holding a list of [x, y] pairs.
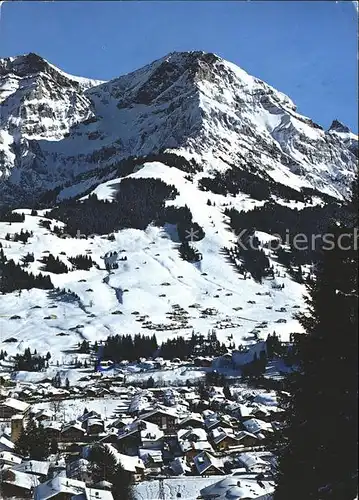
{"points": [[189, 144], [56, 126]]}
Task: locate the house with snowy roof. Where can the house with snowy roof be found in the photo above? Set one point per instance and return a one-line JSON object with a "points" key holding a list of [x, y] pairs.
{"points": [[257, 426], [94, 426], [64, 488], [235, 489], [193, 441], [153, 459], [152, 437], [72, 433], [139, 434], [193, 420], [132, 464], [211, 420], [207, 464], [44, 415], [223, 438], [11, 407], [36, 467], [179, 466], [252, 462], [6, 444], [17, 484], [247, 439], [166, 419], [9, 458], [52, 429]]}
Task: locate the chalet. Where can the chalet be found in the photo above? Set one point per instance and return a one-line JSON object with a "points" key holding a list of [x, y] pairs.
{"points": [[44, 415], [152, 436], [232, 409], [252, 462], [95, 426], [239, 488], [134, 465], [151, 458], [109, 437], [203, 361], [247, 439], [193, 441], [59, 488], [223, 438], [179, 466], [11, 407], [121, 422], [207, 465], [97, 392], [72, 433], [58, 394], [165, 419], [262, 413], [8, 458], [211, 420], [193, 420], [256, 426], [34, 467], [17, 484], [129, 438], [87, 415], [53, 429], [245, 412], [6, 444], [228, 421]]}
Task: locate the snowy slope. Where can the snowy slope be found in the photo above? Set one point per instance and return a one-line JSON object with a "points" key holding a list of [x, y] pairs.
{"points": [[151, 281], [59, 130], [55, 126]]}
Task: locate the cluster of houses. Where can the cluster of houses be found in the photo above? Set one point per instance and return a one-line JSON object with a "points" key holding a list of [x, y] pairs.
{"points": [[153, 433], [21, 477]]}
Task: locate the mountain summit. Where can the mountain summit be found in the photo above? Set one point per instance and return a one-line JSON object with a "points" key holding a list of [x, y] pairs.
{"points": [[162, 169], [56, 127]]}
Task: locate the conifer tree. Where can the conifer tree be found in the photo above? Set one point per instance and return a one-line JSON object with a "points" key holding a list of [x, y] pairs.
{"points": [[33, 442], [318, 450]]}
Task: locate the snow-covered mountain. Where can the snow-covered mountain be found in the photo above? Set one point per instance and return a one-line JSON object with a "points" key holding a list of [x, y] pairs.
{"points": [[219, 137], [55, 126]]}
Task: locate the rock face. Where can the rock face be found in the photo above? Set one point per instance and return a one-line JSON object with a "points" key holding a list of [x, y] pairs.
{"points": [[55, 126]]}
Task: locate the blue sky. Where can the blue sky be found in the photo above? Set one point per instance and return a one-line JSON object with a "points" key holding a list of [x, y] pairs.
{"points": [[306, 49]]}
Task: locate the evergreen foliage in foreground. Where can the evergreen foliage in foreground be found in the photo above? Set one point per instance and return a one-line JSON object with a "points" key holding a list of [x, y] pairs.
{"points": [[33, 442], [318, 450]]}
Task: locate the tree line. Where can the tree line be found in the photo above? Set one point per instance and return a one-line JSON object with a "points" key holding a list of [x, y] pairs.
{"points": [[244, 179], [6, 216], [13, 277], [138, 203], [22, 236], [31, 362]]}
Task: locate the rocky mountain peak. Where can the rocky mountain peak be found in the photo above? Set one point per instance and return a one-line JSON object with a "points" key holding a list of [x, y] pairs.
{"points": [[23, 65], [339, 127], [56, 126]]}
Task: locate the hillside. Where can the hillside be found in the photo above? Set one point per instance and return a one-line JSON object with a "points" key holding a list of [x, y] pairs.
{"points": [[55, 126], [155, 159]]}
